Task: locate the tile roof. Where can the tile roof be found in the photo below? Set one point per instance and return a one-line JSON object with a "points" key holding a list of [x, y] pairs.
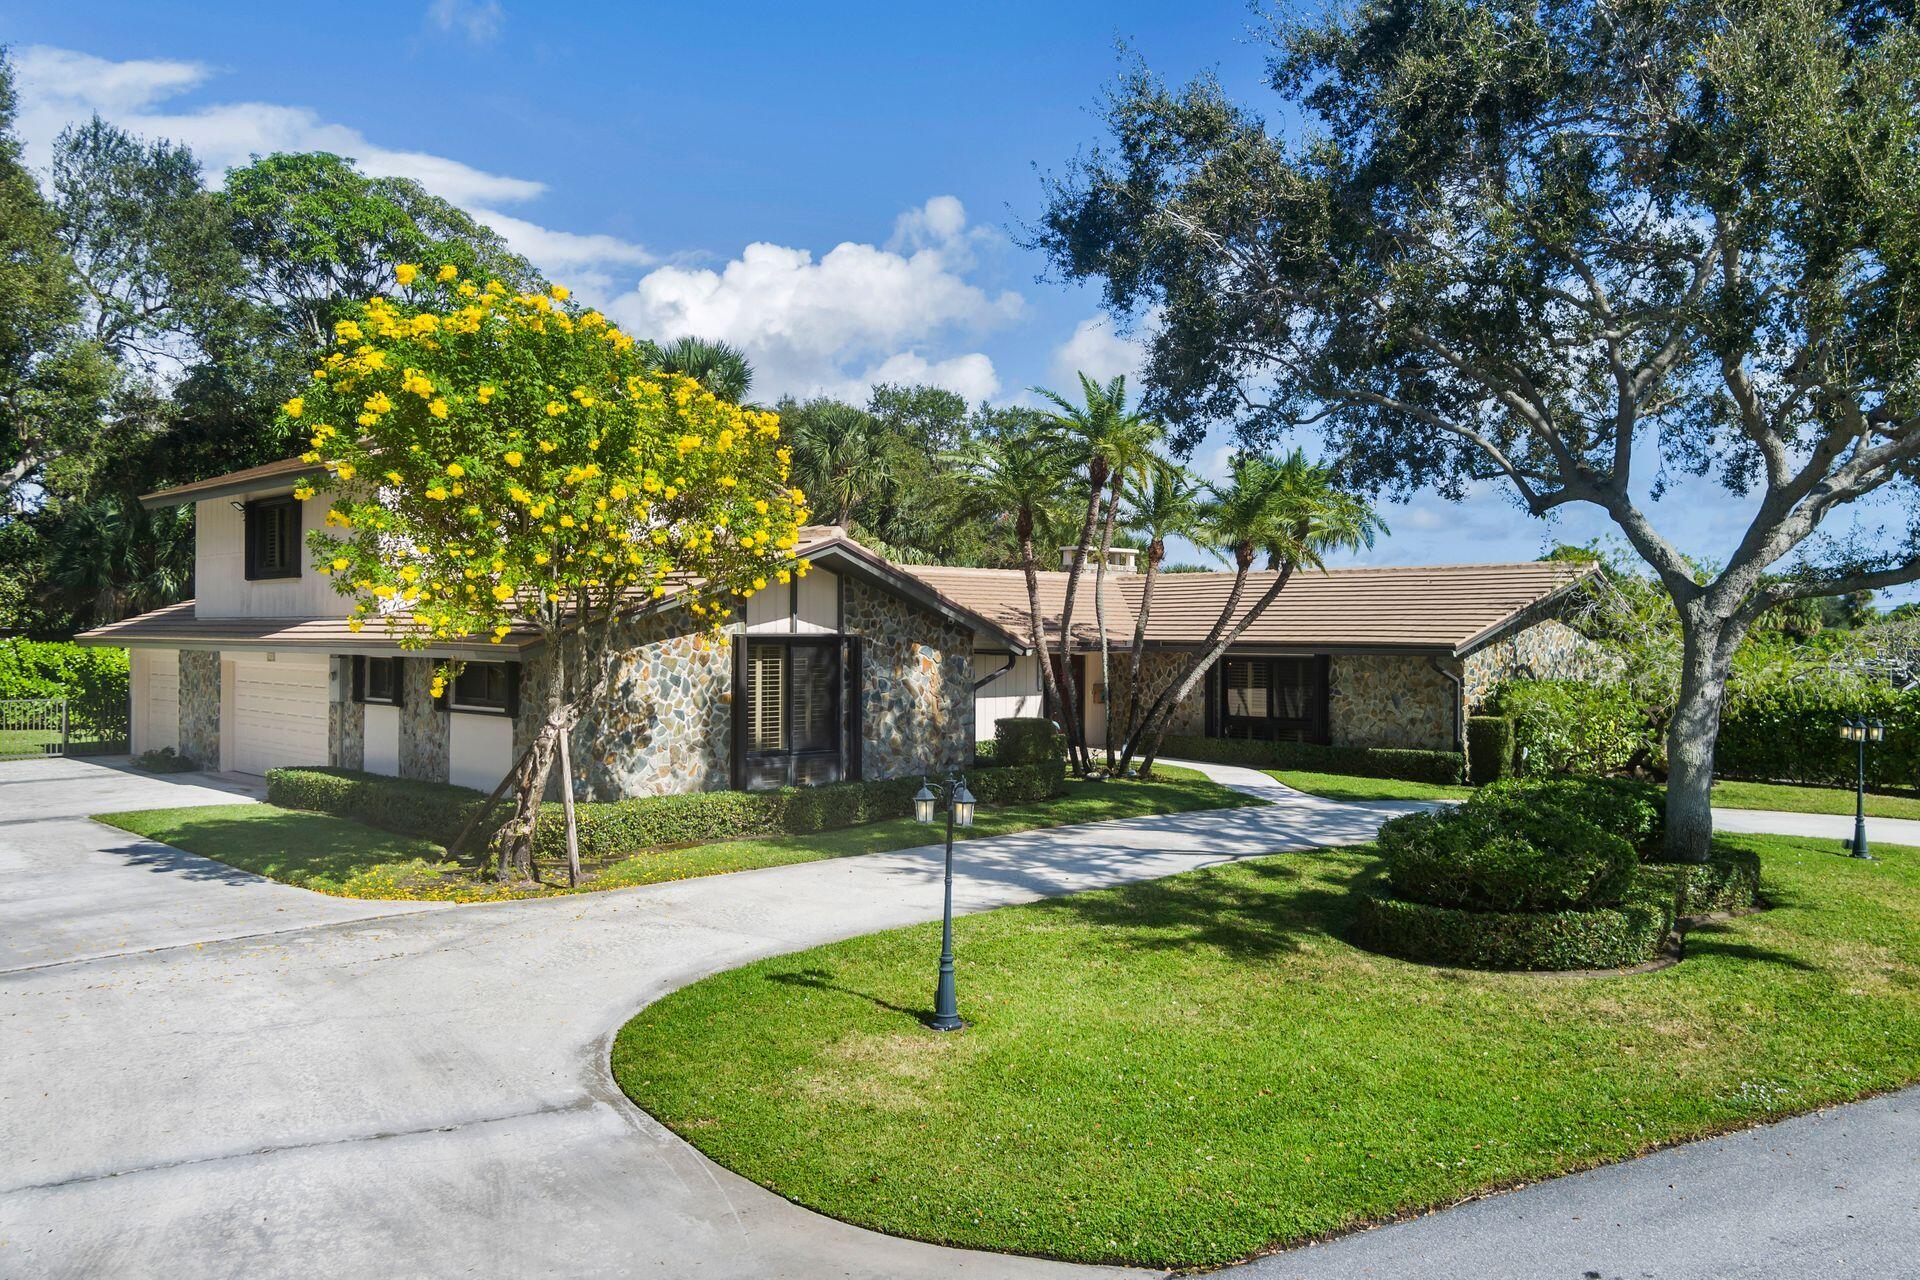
{"points": [[1439, 607], [177, 624], [268, 476]]}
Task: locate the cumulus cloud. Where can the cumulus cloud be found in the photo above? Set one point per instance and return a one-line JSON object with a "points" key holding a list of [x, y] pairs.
{"points": [[59, 87], [1100, 351], [477, 20], [856, 314]]}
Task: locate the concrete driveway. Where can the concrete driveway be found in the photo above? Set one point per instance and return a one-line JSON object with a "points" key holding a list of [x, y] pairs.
{"points": [[425, 1093]]}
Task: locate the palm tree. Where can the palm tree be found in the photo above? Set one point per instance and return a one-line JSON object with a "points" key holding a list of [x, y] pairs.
{"points": [[1289, 509], [838, 456], [720, 367], [113, 558], [1020, 474], [1095, 435], [1163, 504]]}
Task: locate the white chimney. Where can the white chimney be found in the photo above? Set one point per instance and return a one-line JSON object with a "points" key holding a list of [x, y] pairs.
{"points": [[1119, 559]]}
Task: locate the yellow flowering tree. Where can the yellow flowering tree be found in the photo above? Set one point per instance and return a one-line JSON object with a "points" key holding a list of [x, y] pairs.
{"points": [[499, 459]]}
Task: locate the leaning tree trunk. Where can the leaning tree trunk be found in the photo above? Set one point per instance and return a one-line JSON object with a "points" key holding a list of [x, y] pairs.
{"points": [[1100, 617], [1023, 528], [1069, 686], [1156, 549], [1706, 653], [530, 785]]}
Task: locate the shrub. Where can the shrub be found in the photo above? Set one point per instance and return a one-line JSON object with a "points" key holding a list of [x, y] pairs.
{"points": [[439, 811], [93, 681], [1634, 811], [1490, 746], [1027, 740], [1443, 767], [1788, 731], [1575, 726], [163, 760], [1627, 933], [1509, 854], [1729, 881]]}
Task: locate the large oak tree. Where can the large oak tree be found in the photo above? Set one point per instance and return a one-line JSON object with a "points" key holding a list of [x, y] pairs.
{"points": [[1578, 248]]}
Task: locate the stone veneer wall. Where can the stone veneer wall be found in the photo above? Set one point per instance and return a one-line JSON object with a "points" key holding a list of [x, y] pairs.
{"points": [[1158, 669], [664, 727], [346, 720], [916, 689], [200, 707], [1549, 650], [423, 726], [1390, 700]]}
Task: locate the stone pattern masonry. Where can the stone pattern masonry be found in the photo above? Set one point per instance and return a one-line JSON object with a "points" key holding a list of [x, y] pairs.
{"points": [[200, 707], [916, 688]]}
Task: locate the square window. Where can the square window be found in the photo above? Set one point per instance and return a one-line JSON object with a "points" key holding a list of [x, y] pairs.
{"points": [[482, 686], [380, 680]]}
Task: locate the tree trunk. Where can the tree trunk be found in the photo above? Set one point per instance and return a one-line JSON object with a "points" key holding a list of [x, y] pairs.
{"points": [[1156, 551], [530, 784], [1100, 616], [1069, 691], [1706, 652], [566, 802], [1023, 527]]}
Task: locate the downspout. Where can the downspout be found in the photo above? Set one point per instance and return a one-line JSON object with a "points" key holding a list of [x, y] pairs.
{"points": [[1459, 705], [991, 676]]}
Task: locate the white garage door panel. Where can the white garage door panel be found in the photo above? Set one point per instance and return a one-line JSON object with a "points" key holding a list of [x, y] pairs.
{"points": [[161, 726], [279, 714]]}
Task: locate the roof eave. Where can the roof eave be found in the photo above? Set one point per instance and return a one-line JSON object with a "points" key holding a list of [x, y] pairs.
{"points": [[1539, 611], [188, 494]]}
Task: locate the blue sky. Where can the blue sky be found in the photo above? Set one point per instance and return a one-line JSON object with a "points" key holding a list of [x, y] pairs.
{"points": [[835, 187]]}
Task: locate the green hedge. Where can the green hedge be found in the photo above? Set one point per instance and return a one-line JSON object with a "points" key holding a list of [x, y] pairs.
{"points": [[1634, 811], [1442, 767], [1729, 881], [1575, 726], [438, 811], [1490, 748], [1608, 938], [1506, 852], [1789, 731], [1027, 740], [93, 681]]}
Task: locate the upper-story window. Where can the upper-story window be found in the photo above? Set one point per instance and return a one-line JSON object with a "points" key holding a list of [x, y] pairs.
{"points": [[273, 538]]}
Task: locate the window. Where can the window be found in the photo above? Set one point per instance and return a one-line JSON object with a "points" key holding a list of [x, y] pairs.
{"points": [[377, 680], [1273, 698], [788, 720], [484, 686], [273, 538]]}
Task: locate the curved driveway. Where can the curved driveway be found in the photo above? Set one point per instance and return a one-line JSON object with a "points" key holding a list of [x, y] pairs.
{"points": [[206, 1074]]}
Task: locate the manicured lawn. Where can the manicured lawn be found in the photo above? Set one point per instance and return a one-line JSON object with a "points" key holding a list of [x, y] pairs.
{"points": [[1797, 799], [333, 855], [1343, 786], [1187, 1071]]}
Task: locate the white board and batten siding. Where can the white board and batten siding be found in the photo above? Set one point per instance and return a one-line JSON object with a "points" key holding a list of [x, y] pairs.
{"points": [[221, 586], [155, 679], [1012, 693], [380, 738], [479, 749], [273, 710], [810, 606]]}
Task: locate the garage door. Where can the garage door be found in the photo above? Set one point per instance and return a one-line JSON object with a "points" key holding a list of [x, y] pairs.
{"points": [[279, 713], [161, 725]]}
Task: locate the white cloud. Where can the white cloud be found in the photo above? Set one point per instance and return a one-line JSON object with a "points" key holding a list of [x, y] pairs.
{"points": [[59, 87], [809, 324], [478, 20], [1101, 352]]}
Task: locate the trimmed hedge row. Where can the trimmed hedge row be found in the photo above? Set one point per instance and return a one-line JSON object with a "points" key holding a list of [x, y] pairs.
{"points": [[1606, 938], [1634, 811], [1444, 767], [1490, 749], [439, 811]]}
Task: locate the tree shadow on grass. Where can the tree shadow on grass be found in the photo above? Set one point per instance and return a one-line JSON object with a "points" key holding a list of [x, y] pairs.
{"points": [[1709, 938], [1261, 909]]}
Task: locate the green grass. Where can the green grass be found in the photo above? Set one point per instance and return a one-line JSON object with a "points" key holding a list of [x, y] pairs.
{"points": [[1188, 1071], [337, 856], [1344, 786], [1792, 798]]}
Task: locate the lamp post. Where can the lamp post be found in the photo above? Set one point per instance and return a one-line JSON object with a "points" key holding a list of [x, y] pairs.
{"points": [[1860, 731], [952, 795]]}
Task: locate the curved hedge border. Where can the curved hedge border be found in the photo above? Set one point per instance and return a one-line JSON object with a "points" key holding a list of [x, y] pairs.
{"points": [[438, 811], [1607, 938]]}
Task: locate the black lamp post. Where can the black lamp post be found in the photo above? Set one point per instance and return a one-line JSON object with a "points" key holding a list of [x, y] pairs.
{"points": [[952, 794], [1861, 731]]}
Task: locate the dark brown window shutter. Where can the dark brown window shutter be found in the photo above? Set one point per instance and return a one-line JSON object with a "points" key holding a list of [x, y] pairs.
{"points": [[853, 673], [738, 752]]}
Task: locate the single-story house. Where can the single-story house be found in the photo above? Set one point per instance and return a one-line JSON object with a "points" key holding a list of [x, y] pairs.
{"points": [[865, 669]]}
